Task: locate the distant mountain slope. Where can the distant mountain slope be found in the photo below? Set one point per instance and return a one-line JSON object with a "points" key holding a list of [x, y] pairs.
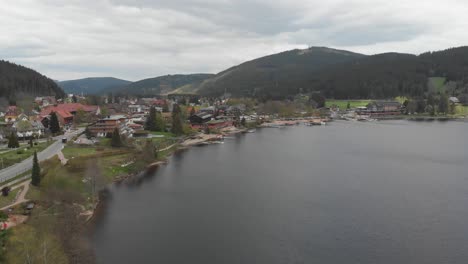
{"points": [[275, 75], [392, 74], [16, 80], [164, 84], [92, 85], [340, 74]]}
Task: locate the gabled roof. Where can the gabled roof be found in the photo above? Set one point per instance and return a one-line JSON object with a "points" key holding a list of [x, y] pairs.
{"points": [[72, 107]]}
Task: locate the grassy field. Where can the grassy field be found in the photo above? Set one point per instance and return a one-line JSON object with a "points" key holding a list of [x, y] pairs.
{"points": [[342, 104], [4, 201], [17, 155], [65, 189], [74, 151]]}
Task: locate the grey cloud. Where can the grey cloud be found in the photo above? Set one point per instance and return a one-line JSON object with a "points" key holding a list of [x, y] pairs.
{"points": [[136, 39]]}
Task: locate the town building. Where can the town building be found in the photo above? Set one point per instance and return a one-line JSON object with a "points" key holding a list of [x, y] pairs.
{"points": [[106, 126]]}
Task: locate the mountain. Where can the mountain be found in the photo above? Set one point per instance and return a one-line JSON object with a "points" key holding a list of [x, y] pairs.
{"points": [[164, 84], [92, 85], [341, 74], [17, 81], [275, 75]]}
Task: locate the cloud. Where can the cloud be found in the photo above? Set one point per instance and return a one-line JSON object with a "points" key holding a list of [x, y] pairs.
{"points": [[135, 39]]}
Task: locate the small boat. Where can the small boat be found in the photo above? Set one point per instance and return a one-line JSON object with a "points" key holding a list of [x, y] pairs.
{"points": [[251, 131], [317, 123]]}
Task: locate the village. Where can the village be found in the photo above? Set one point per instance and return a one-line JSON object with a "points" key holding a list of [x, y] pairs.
{"points": [[129, 115], [77, 141]]}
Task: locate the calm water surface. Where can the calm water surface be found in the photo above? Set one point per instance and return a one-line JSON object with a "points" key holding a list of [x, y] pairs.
{"points": [[385, 192]]}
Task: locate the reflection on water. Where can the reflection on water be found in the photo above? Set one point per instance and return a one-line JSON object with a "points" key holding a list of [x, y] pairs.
{"points": [[383, 192]]}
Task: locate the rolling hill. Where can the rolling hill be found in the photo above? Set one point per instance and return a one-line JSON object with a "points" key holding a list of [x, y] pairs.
{"points": [[275, 75], [164, 84], [17, 81], [340, 74], [95, 85]]}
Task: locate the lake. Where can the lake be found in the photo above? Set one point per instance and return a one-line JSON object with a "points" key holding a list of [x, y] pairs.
{"points": [[349, 192]]}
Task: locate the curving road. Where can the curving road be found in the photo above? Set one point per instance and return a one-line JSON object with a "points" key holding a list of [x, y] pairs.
{"points": [[13, 171]]}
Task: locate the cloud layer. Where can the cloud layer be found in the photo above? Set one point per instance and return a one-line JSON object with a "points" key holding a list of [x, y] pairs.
{"points": [[135, 39]]}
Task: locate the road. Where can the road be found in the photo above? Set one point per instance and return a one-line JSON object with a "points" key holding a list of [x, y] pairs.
{"points": [[49, 152]]}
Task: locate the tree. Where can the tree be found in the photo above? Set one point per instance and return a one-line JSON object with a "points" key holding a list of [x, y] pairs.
{"points": [[411, 107], [431, 100], [421, 105], [192, 111], [116, 141], [160, 125], [36, 171], [31, 142], [177, 127], [348, 106], [150, 123], [243, 121], [149, 152], [88, 133], [319, 99], [443, 103], [54, 123], [13, 141], [74, 99], [80, 116]]}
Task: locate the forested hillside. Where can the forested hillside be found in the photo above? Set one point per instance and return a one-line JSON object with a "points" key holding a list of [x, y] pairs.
{"points": [[16, 80], [341, 74], [277, 75], [163, 84], [94, 85]]}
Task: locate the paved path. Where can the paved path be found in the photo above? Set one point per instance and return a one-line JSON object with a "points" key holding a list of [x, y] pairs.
{"points": [[49, 152]]}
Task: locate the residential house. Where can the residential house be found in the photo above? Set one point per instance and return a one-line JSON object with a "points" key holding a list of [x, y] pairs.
{"points": [[11, 114], [381, 108], [25, 128], [106, 126], [200, 118], [454, 100]]}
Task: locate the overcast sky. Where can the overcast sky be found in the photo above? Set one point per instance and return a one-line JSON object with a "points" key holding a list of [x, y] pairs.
{"points": [[136, 39]]}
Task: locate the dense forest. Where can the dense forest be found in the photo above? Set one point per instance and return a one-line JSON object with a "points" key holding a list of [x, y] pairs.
{"points": [[276, 75], [342, 75], [94, 85], [162, 85], [17, 80]]}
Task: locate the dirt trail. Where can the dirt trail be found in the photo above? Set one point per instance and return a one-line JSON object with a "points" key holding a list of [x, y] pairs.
{"points": [[21, 197]]}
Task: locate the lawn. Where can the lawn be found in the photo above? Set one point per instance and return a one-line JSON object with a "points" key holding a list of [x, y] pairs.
{"points": [[17, 155], [342, 104], [6, 200], [78, 151]]}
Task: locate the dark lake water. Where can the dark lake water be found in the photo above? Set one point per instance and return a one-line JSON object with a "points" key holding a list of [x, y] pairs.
{"points": [[384, 192]]}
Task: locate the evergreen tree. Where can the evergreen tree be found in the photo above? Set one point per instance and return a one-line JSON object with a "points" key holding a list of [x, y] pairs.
{"points": [[36, 171], [177, 127], [13, 141], [443, 103], [74, 99], [151, 120], [88, 133], [30, 142], [54, 123], [431, 100], [116, 141]]}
